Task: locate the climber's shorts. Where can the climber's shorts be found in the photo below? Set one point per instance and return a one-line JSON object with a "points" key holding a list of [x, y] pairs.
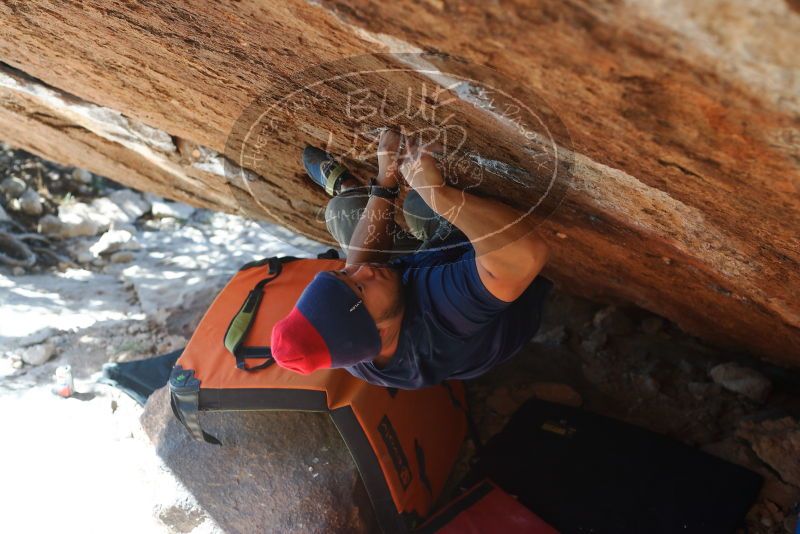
{"points": [[425, 226]]}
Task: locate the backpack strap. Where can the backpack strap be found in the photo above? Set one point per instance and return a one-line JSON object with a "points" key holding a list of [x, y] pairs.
{"points": [[241, 323], [184, 390]]}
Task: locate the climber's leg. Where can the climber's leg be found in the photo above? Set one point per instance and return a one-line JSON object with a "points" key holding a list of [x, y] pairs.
{"points": [[343, 213], [344, 210]]}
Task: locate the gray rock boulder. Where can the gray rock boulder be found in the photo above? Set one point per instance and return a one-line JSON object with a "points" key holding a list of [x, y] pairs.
{"points": [[38, 354], [106, 212], [31, 203], [176, 210], [113, 241], [122, 256], [82, 176], [130, 202], [741, 380], [13, 186], [287, 472], [74, 220]]}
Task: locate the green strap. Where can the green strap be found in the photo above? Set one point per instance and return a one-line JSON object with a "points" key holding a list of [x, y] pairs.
{"points": [[242, 321], [333, 177]]}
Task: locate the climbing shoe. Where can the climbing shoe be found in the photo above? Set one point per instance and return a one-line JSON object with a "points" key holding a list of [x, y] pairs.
{"points": [[324, 170]]}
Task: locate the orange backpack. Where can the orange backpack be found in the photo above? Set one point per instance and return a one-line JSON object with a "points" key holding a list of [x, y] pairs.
{"points": [[404, 442]]}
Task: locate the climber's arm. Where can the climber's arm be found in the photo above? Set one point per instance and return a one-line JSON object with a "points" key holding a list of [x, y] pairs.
{"points": [[509, 252]]}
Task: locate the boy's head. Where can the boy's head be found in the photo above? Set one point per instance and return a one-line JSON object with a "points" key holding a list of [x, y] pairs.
{"points": [[338, 319]]}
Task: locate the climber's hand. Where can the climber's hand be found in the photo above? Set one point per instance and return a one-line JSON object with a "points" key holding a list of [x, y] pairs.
{"points": [[389, 159], [419, 167]]}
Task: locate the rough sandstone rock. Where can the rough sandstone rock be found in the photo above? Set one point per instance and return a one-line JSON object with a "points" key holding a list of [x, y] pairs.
{"points": [[777, 443], [684, 197], [275, 472]]}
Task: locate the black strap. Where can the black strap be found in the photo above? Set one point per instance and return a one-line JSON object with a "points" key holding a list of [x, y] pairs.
{"points": [[184, 400]]}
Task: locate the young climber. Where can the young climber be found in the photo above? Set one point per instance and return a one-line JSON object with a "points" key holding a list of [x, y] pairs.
{"points": [[461, 298]]}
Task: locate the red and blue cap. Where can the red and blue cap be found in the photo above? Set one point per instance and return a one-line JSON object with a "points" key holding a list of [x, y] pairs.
{"points": [[328, 327]]}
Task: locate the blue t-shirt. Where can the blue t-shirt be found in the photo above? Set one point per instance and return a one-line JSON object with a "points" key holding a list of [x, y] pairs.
{"points": [[453, 327]]}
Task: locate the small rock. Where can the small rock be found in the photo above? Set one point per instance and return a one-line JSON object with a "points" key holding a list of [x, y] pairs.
{"points": [[13, 186], [741, 380], [17, 271], [82, 175], [614, 321], [31, 203], [130, 202], [50, 225], [554, 336], [106, 212], [3, 215], [6, 367], [594, 342], [81, 219], [38, 354], [176, 210], [557, 393], [122, 256], [652, 325], [113, 241], [78, 220]]}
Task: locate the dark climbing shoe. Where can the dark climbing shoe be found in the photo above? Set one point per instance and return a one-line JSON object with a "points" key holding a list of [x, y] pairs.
{"points": [[324, 170]]}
